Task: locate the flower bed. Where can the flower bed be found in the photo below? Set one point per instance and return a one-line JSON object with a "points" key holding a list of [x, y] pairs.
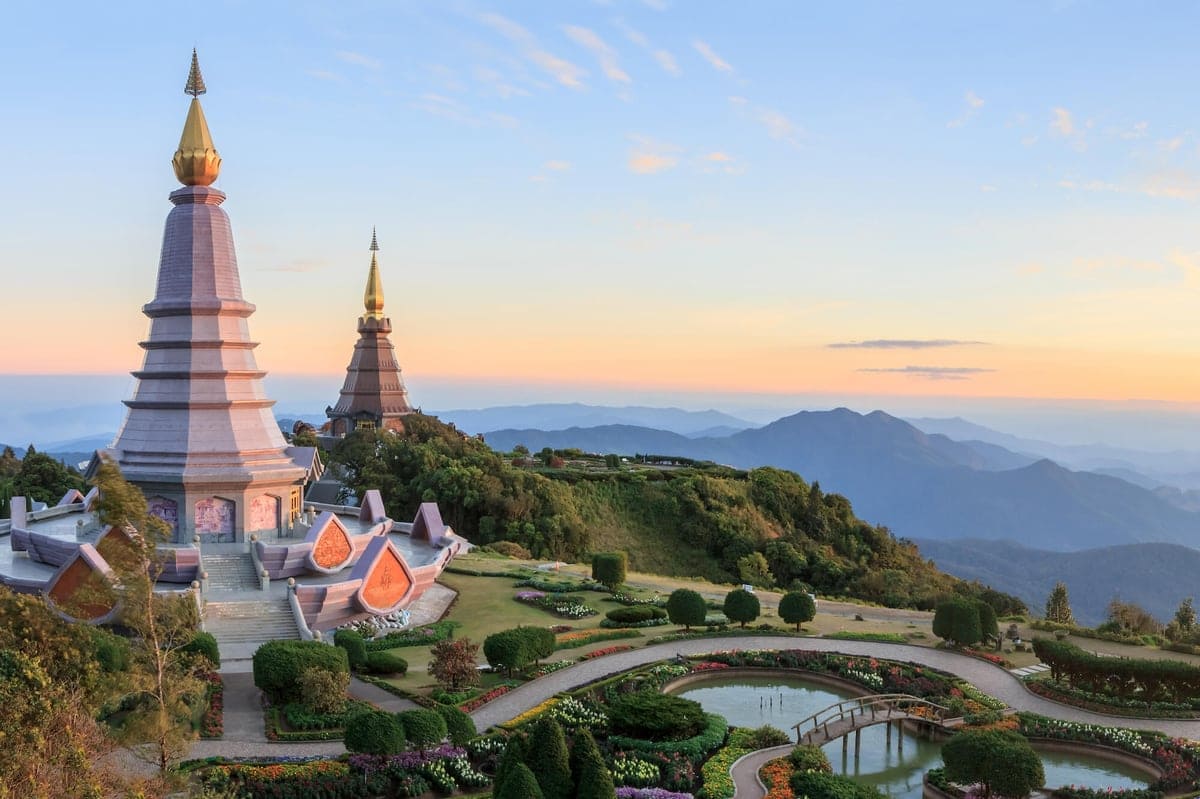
{"points": [[472, 705], [212, 723], [1179, 759], [560, 585], [608, 650], [578, 638], [548, 668], [329, 779], [633, 625], [990, 657], [775, 776], [573, 714], [882, 638], [629, 600], [630, 769], [428, 635], [650, 793], [1106, 703], [568, 607], [718, 784]]}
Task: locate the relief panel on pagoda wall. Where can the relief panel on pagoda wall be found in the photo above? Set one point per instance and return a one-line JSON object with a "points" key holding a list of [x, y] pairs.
{"points": [[215, 518], [264, 513]]}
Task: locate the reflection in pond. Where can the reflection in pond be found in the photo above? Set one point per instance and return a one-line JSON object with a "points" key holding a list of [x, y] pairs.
{"points": [[897, 771]]}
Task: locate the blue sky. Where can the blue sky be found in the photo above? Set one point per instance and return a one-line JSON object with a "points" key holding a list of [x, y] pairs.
{"points": [[688, 197]]}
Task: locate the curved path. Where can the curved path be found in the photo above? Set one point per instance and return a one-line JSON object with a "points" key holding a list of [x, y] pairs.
{"points": [[990, 679]]}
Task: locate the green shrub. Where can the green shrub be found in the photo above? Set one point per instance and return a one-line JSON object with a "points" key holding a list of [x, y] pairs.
{"points": [[374, 732], [762, 737], [423, 728], [636, 613], [686, 607], [426, 635], [509, 549], [516, 648], [112, 651], [816, 785], [810, 758], [324, 691], [356, 648], [656, 717], [459, 725], [741, 606], [549, 761], [694, 748], [205, 645], [590, 775], [279, 664], [608, 568], [958, 620], [385, 663], [519, 784]]}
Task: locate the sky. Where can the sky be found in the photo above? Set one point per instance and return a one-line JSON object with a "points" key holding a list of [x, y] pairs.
{"points": [[688, 200]]}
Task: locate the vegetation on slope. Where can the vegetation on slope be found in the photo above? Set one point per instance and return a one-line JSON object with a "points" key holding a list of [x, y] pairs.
{"points": [[766, 526]]}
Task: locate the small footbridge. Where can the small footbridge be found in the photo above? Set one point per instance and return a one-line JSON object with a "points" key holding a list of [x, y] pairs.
{"points": [[853, 715]]}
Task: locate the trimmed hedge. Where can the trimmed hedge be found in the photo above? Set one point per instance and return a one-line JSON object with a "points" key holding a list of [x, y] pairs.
{"points": [[694, 748], [423, 728], [385, 663], [279, 664], [655, 716], [636, 613], [459, 726], [374, 732], [355, 646], [428, 635], [1151, 680]]}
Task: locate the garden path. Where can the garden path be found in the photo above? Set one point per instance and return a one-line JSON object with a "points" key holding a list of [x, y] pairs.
{"points": [[745, 771]]}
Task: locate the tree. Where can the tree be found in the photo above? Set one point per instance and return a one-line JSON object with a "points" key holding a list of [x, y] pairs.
{"points": [[43, 479], [989, 627], [591, 777], [453, 663], [549, 760], [755, 570], [797, 607], [957, 620], [1058, 606], [161, 669], [1130, 618], [459, 726], [422, 727], [741, 606], [10, 464], [1000, 761], [516, 648], [519, 783], [686, 607], [1185, 616], [608, 569], [513, 755]]}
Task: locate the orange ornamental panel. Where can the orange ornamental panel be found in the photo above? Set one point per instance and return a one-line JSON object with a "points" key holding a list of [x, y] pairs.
{"points": [[388, 581], [333, 548], [79, 591]]}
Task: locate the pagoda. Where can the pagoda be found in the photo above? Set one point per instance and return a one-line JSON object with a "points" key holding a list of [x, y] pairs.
{"points": [[199, 437], [373, 396]]}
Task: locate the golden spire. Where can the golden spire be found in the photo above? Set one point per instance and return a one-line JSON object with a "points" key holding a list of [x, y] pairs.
{"points": [[373, 296], [196, 161]]}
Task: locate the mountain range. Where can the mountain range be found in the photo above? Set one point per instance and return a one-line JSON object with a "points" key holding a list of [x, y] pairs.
{"points": [[920, 485]]}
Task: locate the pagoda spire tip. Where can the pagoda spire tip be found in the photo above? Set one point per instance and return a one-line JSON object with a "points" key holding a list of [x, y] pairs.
{"points": [[195, 82], [374, 240]]}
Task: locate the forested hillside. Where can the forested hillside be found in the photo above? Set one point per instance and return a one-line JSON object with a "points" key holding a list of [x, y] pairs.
{"points": [[765, 526]]}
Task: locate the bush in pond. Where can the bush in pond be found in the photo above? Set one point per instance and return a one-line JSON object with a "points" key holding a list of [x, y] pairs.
{"points": [[656, 717], [1001, 762]]}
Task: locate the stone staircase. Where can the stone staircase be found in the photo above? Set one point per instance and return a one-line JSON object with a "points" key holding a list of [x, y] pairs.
{"points": [[240, 627], [229, 572]]}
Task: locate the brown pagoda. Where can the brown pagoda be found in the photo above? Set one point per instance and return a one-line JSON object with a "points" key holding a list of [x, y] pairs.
{"points": [[373, 396]]}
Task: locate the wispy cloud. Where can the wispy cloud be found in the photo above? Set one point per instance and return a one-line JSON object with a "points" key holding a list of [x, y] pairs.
{"points": [[664, 57], [648, 157], [498, 83], [718, 157], [904, 344], [931, 372], [557, 166], [1175, 184], [449, 108], [560, 69], [1138, 131], [324, 74], [1062, 122], [973, 103], [358, 59], [710, 55], [778, 125], [599, 48]]}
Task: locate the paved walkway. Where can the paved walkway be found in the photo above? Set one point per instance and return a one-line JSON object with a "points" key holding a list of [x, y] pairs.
{"points": [[745, 771]]}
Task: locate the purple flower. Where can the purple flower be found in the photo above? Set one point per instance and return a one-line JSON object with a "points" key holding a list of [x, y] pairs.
{"points": [[626, 792]]}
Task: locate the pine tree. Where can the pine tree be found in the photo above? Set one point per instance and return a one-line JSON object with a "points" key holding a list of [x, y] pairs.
{"points": [[519, 784], [1185, 617], [549, 760], [1058, 606], [591, 776], [513, 755]]}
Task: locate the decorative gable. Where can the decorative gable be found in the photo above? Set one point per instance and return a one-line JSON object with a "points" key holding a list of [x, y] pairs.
{"points": [[78, 590], [332, 548], [428, 524], [387, 582]]}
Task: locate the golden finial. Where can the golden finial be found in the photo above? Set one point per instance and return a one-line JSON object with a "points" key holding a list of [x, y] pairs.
{"points": [[195, 81], [196, 161], [373, 296]]}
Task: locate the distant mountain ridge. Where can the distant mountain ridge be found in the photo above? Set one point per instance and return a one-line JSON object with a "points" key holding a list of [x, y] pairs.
{"points": [[920, 485], [1156, 576], [574, 414]]}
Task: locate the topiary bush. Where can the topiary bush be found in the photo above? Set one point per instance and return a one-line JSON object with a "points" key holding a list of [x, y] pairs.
{"points": [[686, 607], [324, 691], [385, 663], [205, 645], [374, 732], [279, 664], [423, 728], [797, 607], [608, 568], [810, 758], [549, 760], [741, 606], [656, 717], [636, 613], [817, 785], [459, 725], [355, 646]]}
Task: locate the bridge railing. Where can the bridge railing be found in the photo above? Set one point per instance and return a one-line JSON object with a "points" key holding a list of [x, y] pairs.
{"points": [[872, 707]]}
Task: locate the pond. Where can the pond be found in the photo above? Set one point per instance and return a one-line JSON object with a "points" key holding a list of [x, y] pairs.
{"points": [[783, 701]]}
